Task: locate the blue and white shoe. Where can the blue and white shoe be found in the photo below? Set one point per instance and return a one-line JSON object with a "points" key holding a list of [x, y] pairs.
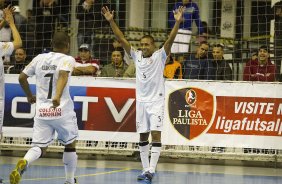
{"points": [[146, 177], [141, 176], [149, 176]]}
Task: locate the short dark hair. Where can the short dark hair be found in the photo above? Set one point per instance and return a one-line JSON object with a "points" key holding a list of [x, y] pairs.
{"points": [[265, 47], [60, 40], [149, 37], [204, 42]]}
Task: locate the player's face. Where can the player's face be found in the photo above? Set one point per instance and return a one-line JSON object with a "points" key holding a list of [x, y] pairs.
{"points": [[20, 56], [202, 50], [117, 57], [263, 55], [147, 47], [84, 55], [217, 53]]}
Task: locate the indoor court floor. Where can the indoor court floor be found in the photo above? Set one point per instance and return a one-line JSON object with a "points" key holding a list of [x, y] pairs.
{"points": [[51, 171]]}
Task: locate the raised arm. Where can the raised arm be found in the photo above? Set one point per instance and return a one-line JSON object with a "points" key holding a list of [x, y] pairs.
{"points": [[109, 15], [8, 16], [178, 16]]}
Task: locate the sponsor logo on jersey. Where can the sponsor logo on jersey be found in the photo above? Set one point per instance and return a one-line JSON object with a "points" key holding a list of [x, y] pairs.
{"points": [[50, 112], [191, 111]]}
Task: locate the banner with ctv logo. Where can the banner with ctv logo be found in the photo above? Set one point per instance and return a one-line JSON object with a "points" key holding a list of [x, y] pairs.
{"points": [[198, 113]]}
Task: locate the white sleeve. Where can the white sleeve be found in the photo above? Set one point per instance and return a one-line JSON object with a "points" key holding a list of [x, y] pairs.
{"points": [[29, 70], [67, 64], [7, 48]]}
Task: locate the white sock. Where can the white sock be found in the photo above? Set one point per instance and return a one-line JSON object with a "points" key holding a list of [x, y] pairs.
{"points": [[70, 162], [144, 154], [155, 154], [32, 154]]}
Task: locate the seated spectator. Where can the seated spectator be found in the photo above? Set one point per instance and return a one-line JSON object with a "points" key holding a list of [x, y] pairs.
{"points": [[218, 68], [195, 66], [130, 72], [117, 46], [260, 69], [20, 62], [173, 69], [85, 64], [117, 66]]}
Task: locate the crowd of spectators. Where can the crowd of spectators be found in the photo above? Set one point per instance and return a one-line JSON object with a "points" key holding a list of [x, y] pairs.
{"points": [[205, 63]]}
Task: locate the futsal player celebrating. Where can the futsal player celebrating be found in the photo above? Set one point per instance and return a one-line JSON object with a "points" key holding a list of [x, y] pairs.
{"points": [[150, 90]]}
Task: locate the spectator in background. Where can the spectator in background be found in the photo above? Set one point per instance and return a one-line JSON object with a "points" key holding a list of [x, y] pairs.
{"points": [[260, 69], [173, 69], [218, 68], [46, 13], [276, 14], [116, 68], [130, 72], [191, 13], [85, 64], [20, 61], [254, 54], [126, 57], [29, 40], [88, 13], [195, 67]]}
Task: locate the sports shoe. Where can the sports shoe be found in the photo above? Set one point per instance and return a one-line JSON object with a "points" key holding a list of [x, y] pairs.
{"points": [[1, 181], [75, 181], [146, 175], [149, 176], [141, 176], [16, 174]]}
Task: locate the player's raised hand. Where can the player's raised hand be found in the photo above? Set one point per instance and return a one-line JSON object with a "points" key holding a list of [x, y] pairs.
{"points": [[8, 14], [109, 15], [178, 13]]}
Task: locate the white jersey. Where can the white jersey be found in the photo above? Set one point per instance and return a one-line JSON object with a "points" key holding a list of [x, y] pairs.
{"points": [[6, 49], [46, 68], [149, 75]]}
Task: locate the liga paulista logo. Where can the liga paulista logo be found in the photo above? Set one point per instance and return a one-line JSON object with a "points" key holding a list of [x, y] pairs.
{"points": [[191, 111]]}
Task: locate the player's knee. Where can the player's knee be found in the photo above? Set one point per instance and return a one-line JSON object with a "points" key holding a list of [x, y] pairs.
{"points": [[70, 147], [44, 151], [40, 150], [156, 136]]}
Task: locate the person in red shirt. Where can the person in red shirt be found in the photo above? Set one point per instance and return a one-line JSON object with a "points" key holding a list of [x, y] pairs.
{"points": [[85, 64], [260, 69]]}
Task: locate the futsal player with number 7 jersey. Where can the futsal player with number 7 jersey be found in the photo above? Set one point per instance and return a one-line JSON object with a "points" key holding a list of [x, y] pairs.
{"points": [[54, 107], [149, 63]]}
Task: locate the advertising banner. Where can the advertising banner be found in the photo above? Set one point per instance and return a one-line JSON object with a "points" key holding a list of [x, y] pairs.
{"points": [[199, 113]]}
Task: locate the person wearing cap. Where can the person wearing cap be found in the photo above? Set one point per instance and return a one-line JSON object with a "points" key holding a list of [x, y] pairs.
{"points": [[117, 67], [260, 69], [218, 68], [85, 64]]}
